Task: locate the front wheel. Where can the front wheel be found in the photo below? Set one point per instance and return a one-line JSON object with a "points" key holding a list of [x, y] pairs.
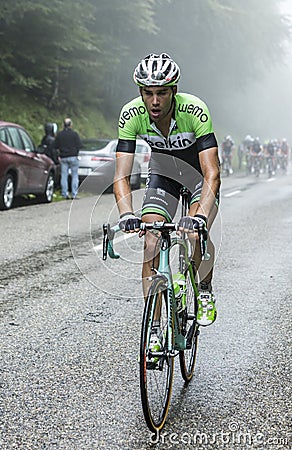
{"points": [[226, 170], [187, 358], [156, 368]]}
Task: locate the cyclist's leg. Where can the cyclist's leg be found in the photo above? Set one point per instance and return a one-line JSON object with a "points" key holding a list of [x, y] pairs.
{"points": [[204, 268], [151, 252], [206, 313]]}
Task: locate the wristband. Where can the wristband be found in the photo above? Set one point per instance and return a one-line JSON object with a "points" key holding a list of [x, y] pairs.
{"points": [[202, 217], [129, 213]]}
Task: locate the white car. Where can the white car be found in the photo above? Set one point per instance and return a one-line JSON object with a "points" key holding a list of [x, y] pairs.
{"points": [[108, 147]]}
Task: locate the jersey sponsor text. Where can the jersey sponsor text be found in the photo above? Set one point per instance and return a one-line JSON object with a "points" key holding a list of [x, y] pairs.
{"points": [[177, 142], [195, 110], [132, 112]]}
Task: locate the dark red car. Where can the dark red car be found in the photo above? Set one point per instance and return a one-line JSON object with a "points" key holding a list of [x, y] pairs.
{"points": [[23, 170]]}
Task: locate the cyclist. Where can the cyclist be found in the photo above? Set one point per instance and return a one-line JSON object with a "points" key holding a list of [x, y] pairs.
{"points": [[256, 150], [284, 154], [227, 152], [271, 151], [247, 142], [184, 152], [285, 147]]}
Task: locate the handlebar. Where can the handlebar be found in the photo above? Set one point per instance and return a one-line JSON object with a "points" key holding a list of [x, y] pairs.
{"points": [[109, 234]]}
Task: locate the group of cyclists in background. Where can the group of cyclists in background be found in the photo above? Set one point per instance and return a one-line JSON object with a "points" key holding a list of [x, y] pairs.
{"points": [[256, 157]]}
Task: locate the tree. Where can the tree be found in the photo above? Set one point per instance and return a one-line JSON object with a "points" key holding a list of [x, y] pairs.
{"points": [[67, 52], [222, 46], [82, 54]]}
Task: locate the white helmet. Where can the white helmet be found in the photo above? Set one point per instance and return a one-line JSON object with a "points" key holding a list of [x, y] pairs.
{"points": [[157, 70]]}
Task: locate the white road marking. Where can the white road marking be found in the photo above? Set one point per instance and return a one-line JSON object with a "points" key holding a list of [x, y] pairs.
{"points": [[232, 193]]}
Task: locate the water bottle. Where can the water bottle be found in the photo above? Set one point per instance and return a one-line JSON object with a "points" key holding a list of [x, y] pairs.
{"points": [[179, 287]]}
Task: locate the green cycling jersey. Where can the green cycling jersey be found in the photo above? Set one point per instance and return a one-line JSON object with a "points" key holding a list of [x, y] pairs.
{"points": [[190, 131]]}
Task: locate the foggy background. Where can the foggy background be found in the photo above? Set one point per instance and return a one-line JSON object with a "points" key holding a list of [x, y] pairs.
{"points": [[78, 57], [243, 73]]}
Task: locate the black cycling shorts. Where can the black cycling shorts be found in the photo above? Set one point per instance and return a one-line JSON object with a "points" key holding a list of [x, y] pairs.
{"points": [[162, 195]]}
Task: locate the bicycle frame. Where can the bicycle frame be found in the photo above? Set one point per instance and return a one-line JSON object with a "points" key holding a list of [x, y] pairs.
{"points": [[164, 270]]}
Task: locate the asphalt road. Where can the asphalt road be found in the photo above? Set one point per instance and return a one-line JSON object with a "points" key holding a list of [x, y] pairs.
{"points": [[70, 325]]}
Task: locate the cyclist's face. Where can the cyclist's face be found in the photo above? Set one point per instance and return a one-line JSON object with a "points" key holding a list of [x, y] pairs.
{"points": [[158, 101]]}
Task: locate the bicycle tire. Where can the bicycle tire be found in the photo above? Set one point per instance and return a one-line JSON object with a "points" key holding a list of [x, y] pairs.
{"points": [[187, 358], [155, 379]]}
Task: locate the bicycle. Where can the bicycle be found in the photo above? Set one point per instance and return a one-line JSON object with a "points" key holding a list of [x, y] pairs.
{"points": [[226, 166], [172, 298], [256, 164]]}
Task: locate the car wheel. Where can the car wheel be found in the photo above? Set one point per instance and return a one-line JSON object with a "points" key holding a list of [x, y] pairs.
{"points": [[7, 192], [47, 196]]}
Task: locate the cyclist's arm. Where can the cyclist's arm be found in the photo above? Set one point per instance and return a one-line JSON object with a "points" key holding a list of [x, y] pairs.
{"points": [[124, 164], [209, 162]]}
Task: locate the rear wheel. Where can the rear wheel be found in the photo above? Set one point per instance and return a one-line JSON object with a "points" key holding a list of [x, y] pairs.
{"points": [[7, 190], [156, 370], [187, 358]]}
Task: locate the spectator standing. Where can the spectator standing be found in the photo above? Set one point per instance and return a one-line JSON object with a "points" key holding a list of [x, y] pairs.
{"points": [[48, 141], [68, 145]]}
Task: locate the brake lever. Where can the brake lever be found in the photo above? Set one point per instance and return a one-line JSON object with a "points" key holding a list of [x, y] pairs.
{"points": [[105, 241], [108, 237]]}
